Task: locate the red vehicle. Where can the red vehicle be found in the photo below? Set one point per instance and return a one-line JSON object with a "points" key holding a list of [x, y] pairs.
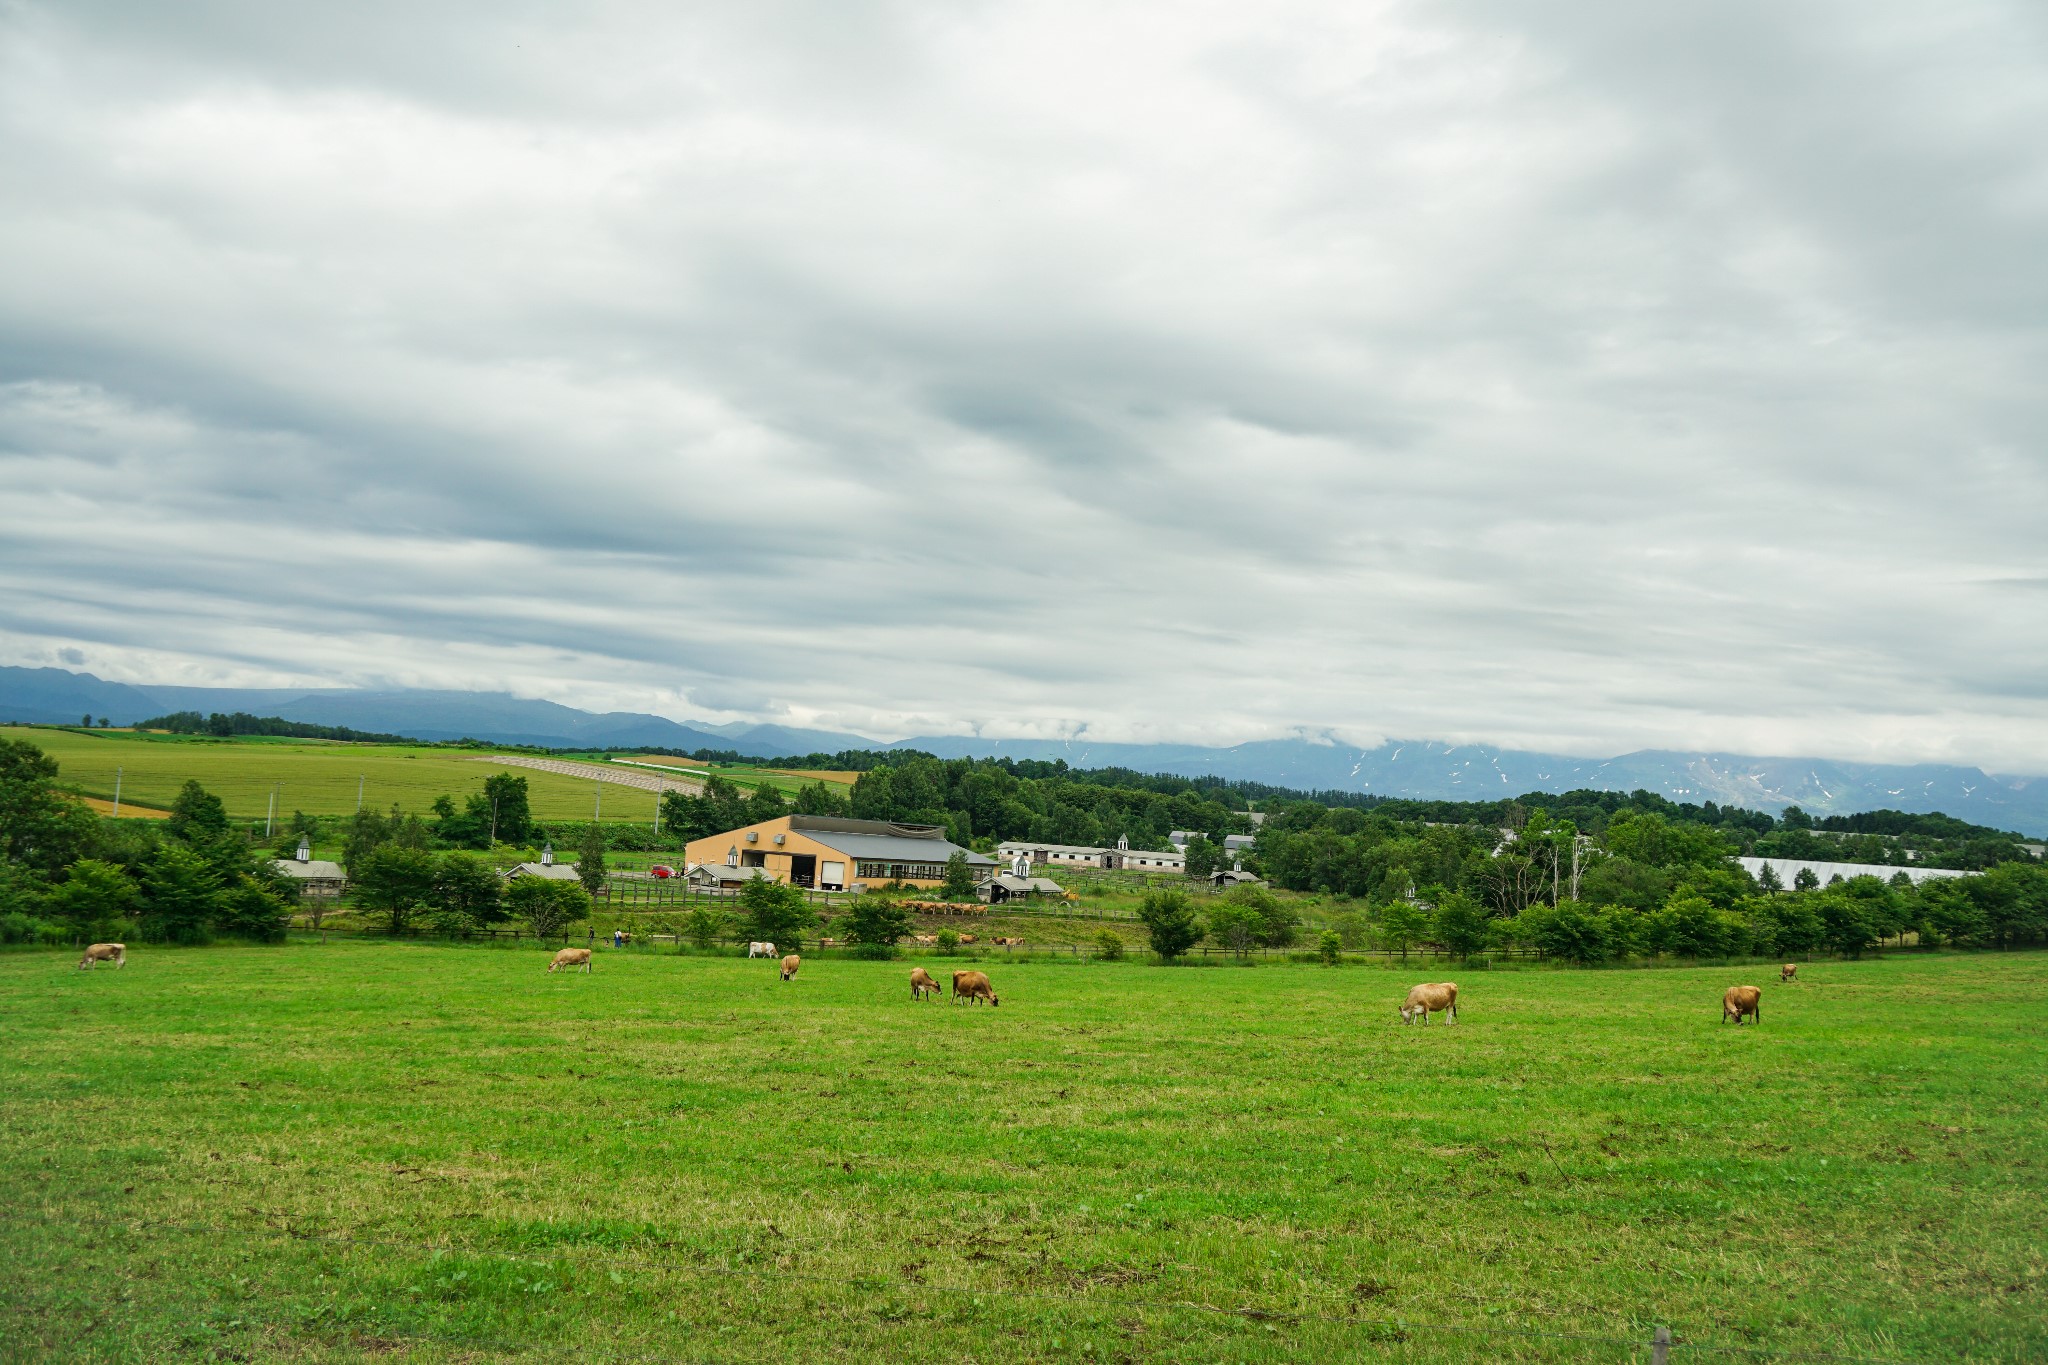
{"points": [[661, 870]]}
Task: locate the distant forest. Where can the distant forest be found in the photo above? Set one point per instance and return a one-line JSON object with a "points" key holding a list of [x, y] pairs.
{"points": [[228, 724]]}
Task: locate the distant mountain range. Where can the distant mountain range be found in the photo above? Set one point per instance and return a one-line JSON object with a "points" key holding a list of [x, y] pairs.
{"points": [[1422, 769]]}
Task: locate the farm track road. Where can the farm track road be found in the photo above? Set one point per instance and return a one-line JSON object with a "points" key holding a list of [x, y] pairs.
{"points": [[598, 772]]}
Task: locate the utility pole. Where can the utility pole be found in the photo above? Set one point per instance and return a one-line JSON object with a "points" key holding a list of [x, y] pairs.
{"points": [[597, 807], [117, 793], [270, 814], [359, 792], [658, 786]]}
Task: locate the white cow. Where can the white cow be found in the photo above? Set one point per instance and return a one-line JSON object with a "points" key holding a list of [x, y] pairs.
{"points": [[761, 950]]}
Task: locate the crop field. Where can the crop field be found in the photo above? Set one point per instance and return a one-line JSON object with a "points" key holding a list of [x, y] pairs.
{"points": [[394, 1152], [319, 776]]}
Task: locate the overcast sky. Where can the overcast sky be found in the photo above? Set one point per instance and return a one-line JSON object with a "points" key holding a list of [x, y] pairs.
{"points": [[1585, 377]]}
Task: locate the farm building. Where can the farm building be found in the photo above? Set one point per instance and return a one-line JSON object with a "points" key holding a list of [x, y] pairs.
{"points": [[1787, 870], [315, 876], [546, 868], [1084, 855], [831, 853], [1235, 876], [720, 877], [1232, 843], [1010, 887]]}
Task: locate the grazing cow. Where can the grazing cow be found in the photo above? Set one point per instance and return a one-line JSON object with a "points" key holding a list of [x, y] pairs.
{"points": [[1008, 942], [967, 938], [789, 966], [973, 985], [1441, 996], [921, 984], [1788, 971], [569, 959], [927, 940], [116, 953], [1737, 1001], [760, 950]]}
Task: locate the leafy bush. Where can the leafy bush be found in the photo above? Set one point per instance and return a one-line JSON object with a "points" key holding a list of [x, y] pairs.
{"points": [[1329, 947], [1169, 918], [1109, 946], [949, 942], [547, 906], [776, 913], [875, 924]]}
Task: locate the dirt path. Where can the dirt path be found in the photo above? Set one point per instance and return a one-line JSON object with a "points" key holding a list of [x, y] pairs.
{"points": [[600, 772]]}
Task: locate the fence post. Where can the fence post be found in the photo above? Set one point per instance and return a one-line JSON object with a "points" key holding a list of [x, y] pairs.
{"points": [[1660, 1347]]}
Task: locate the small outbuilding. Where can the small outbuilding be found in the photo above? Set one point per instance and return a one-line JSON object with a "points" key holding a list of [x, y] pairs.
{"points": [[1011, 887], [315, 876]]}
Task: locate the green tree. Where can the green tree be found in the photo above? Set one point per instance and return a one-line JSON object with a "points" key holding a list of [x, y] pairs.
{"points": [[547, 906], [1687, 926], [178, 891], [468, 891], [776, 913], [1401, 926], [395, 883], [1109, 946], [765, 803], [876, 923], [1330, 947], [705, 925], [816, 798], [959, 878], [511, 816], [41, 829], [1845, 922], [1805, 879], [1278, 923], [1460, 924], [197, 815], [249, 908], [1169, 919], [93, 896], [1203, 857], [1234, 926], [590, 860]]}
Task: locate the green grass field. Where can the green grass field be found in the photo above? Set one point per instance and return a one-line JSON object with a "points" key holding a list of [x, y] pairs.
{"points": [[431, 1153], [319, 776]]}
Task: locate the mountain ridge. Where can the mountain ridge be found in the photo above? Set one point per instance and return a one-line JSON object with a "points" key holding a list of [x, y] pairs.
{"points": [[1422, 769]]}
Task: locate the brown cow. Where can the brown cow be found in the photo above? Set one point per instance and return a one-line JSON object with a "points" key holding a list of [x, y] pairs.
{"points": [[116, 953], [1788, 971], [974, 985], [921, 984], [789, 966], [1737, 1001], [571, 958], [1441, 996]]}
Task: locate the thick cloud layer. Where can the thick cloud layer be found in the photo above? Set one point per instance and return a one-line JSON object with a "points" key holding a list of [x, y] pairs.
{"points": [[1582, 379]]}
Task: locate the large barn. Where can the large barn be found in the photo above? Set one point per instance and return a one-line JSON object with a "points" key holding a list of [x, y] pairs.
{"points": [[832, 853]]}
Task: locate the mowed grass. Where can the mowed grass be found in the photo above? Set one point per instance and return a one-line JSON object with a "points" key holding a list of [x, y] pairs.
{"points": [[433, 1153], [319, 777]]}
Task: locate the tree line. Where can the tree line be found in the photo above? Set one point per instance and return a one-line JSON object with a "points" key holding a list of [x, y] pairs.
{"points": [[1645, 880]]}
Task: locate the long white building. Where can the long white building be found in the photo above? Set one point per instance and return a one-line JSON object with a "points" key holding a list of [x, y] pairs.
{"points": [[1787, 870], [1086, 855]]}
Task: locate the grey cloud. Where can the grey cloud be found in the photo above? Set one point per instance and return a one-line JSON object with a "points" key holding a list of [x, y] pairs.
{"points": [[1616, 377]]}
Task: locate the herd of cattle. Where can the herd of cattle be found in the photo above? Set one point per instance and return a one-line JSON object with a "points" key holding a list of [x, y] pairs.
{"points": [[1431, 997]]}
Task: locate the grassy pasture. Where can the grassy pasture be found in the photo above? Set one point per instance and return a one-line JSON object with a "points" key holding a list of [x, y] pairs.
{"points": [[429, 1153], [319, 776]]}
